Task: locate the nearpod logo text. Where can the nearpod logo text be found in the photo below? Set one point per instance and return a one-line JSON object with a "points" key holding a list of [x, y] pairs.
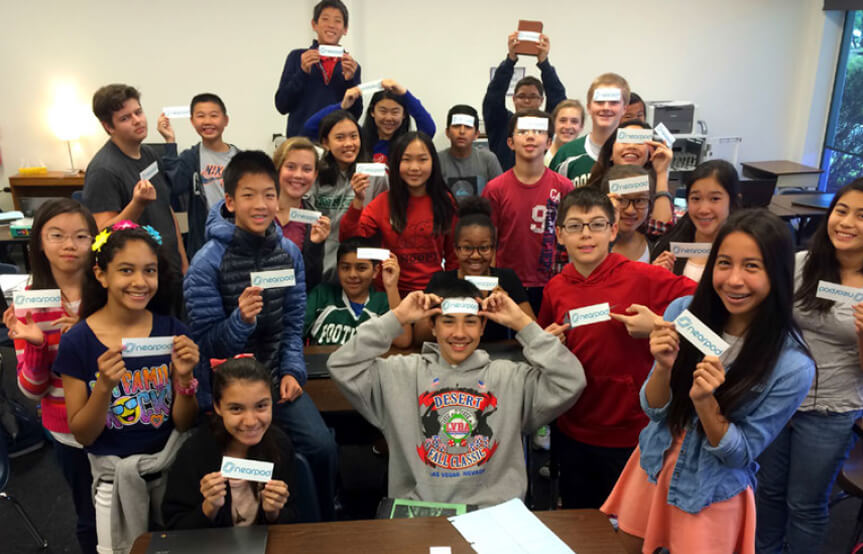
{"points": [[685, 323], [231, 467], [273, 279], [252, 470], [838, 293], [37, 299], [589, 314]]}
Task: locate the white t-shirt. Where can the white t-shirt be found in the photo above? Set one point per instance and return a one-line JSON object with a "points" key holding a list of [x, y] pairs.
{"points": [[212, 166], [693, 270]]}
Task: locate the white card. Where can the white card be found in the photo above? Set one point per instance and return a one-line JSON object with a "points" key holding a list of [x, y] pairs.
{"points": [[665, 134], [606, 94], [147, 346], [31, 299], [589, 314], [249, 470], [833, 291], [174, 112], [459, 306], [373, 254], [331, 51], [700, 335], [463, 119], [372, 169], [634, 136], [639, 183], [530, 36], [273, 279], [533, 123], [304, 216], [440, 550], [371, 86], [690, 249], [149, 171], [482, 282]]}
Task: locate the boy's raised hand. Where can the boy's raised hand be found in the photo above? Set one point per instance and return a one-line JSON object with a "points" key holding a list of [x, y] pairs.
{"points": [[28, 330], [641, 323], [351, 96], [309, 58], [661, 156], [511, 43], [184, 357], [501, 309], [390, 272], [666, 260], [250, 304], [320, 230], [393, 87], [143, 193], [163, 125], [417, 305], [664, 345], [544, 46], [349, 66]]}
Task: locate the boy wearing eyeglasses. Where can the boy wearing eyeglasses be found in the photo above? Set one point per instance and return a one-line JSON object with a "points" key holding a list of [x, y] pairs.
{"points": [[524, 204], [528, 95], [610, 303]]}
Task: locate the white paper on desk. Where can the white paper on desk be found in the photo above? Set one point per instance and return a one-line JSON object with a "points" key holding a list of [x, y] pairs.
{"points": [[508, 527]]}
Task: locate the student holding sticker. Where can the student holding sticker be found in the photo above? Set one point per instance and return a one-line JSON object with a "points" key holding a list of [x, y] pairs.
{"points": [[317, 76], [712, 194], [415, 218], [631, 209], [245, 293], [297, 162], [711, 416], [799, 468], [198, 496], [126, 406], [466, 169], [568, 121], [528, 95], [452, 417], [607, 98], [608, 300]]}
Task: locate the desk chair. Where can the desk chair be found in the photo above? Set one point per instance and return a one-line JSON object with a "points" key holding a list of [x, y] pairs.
{"points": [[850, 480], [4, 479], [305, 492]]}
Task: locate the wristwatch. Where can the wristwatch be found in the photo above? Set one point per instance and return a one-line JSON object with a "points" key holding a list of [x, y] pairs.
{"points": [[664, 193], [188, 390]]}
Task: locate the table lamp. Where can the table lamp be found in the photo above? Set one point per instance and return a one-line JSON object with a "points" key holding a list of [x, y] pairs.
{"points": [[67, 121]]}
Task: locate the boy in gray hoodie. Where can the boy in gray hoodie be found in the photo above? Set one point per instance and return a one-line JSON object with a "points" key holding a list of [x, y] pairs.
{"points": [[453, 418]]}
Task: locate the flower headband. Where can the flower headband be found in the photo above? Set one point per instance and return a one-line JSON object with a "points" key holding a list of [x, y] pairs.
{"points": [[100, 239]]}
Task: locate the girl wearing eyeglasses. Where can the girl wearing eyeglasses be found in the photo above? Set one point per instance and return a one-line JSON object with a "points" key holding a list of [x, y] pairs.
{"points": [[631, 210]]}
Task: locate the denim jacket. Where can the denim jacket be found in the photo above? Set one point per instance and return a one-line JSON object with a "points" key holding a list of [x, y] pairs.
{"points": [[705, 474]]}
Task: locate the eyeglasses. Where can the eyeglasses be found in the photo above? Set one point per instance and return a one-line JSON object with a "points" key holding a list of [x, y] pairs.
{"points": [[468, 250], [79, 239], [595, 226], [639, 203], [529, 97]]}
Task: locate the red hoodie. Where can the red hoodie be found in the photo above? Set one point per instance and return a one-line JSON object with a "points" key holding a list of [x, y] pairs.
{"points": [[609, 413]]}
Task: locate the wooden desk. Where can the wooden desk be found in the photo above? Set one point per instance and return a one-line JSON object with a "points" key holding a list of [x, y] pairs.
{"points": [[52, 183], [783, 206], [786, 174], [585, 531]]}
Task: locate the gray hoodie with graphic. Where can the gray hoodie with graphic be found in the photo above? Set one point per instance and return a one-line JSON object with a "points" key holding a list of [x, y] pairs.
{"points": [[455, 432]]}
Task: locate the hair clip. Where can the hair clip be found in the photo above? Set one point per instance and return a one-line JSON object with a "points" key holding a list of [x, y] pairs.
{"points": [[124, 224], [216, 362], [100, 240], [153, 233]]}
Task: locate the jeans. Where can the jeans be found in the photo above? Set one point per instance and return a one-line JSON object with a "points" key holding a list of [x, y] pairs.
{"points": [[76, 469], [797, 474], [303, 423]]}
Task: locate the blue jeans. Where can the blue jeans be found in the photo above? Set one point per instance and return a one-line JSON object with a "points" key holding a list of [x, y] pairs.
{"points": [[797, 473], [303, 423]]}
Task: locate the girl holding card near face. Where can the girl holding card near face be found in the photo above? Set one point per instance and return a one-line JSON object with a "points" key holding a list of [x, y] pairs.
{"points": [[127, 396], [198, 496], [689, 486], [798, 470], [631, 210]]}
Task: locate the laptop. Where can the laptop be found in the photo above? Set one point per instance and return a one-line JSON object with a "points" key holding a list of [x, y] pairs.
{"points": [[223, 540]]}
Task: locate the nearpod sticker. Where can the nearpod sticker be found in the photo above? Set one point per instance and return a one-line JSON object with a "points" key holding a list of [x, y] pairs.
{"points": [[837, 293], [372, 169], [533, 123], [589, 314], [304, 216], [147, 346], [699, 334], [460, 306], [634, 136], [629, 185], [149, 171], [273, 279], [250, 470], [31, 299], [482, 282], [371, 86], [330, 51], [690, 249], [373, 254], [606, 94], [463, 119]]}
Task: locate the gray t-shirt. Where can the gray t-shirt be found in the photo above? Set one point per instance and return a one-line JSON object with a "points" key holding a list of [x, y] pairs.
{"points": [[833, 343], [468, 176], [109, 184], [212, 165]]}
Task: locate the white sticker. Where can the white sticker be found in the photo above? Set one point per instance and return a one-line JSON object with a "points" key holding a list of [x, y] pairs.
{"points": [[249, 470], [273, 279], [634, 136], [463, 119], [331, 51], [690, 249], [700, 335], [371, 86], [174, 112], [665, 134], [147, 346], [482, 282], [589, 314], [149, 171], [639, 183], [31, 299], [373, 254], [606, 94], [836, 292], [372, 169], [304, 216], [533, 123], [440, 550], [459, 306], [530, 36]]}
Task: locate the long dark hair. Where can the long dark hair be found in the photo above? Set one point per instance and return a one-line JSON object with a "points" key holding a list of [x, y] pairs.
{"points": [[603, 160], [328, 170], [250, 371], [94, 296], [821, 263], [370, 128], [768, 331], [40, 267], [443, 203]]}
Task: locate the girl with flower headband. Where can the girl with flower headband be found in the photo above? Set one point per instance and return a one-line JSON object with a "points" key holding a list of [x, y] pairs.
{"points": [[127, 404]]}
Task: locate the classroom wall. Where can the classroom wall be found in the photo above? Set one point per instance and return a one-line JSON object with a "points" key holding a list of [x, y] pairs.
{"points": [[761, 69]]}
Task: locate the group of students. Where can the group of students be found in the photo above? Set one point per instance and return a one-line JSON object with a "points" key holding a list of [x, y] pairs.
{"points": [[482, 247]]}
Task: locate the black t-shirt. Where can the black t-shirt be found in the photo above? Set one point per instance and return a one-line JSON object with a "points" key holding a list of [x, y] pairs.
{"points": [[109, 184], [508, 281]]}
